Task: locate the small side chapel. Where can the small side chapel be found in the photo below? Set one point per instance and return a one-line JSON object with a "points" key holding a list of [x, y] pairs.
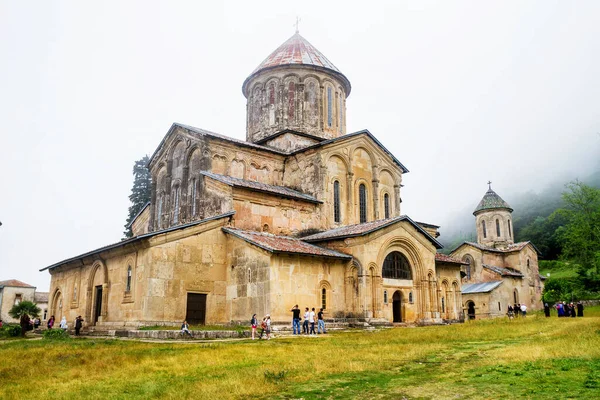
{"points": [[301, 212]]}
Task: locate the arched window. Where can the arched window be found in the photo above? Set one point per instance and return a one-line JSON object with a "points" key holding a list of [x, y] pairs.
{"points": [[484, 230], [75, 292], [385, 297], [159, 212], [291, 101], [176, 206], [509, 230], [249, 275], [410, 297], [272, 94], [336, 202], [329, 107], [362, 198], [193, 197], [469, 260], [324, 298], [498, 227], [396, 266], [341, 112], [128, 285], [443, 305], [386, 205]]}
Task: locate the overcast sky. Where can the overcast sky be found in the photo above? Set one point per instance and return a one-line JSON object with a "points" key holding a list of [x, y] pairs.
{"points": [[460, 91]]}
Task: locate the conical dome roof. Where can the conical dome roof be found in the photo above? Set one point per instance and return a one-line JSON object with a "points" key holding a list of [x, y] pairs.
{"points": [[298, 51], [491, 201]]}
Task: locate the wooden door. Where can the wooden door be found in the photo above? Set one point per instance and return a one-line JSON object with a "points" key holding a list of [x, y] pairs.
{"points": [[196, 309]]}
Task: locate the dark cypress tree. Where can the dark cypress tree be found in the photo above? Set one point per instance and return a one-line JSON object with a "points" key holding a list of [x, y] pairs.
{"points": [[140, 192]]}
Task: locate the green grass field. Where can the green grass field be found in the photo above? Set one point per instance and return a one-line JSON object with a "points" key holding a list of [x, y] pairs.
{"points": [[534, 358]]}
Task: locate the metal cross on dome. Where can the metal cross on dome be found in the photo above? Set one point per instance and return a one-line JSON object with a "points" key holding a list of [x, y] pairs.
{"points": [[490, 184], [297, 24]]}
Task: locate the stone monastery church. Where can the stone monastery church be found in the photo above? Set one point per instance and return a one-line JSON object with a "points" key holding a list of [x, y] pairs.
{"points": [[301, 212]]}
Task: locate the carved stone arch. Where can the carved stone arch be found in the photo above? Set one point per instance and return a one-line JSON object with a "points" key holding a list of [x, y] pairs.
{"points": [[342, 157], [57, 304], [393, 175], [291, 77], [408, 249], [234, 166], [176, 141], [311, 76], [324, 283], [129, 263], [329, 81], [258, 85], [361, 146], [190, 153], [356, 264], [97, 265]]}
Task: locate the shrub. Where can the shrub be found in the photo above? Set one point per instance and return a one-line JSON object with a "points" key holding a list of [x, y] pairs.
{"points": [[10, 330], [56, 334]]}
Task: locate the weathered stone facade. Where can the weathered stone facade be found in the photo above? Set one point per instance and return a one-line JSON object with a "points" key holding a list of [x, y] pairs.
{"points": [[300, 213]]}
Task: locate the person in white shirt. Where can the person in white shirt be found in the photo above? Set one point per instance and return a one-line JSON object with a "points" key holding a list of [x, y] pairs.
{"points": [[524, 310], [305, 322], [268, 321], [311, 320], [63, 323]]}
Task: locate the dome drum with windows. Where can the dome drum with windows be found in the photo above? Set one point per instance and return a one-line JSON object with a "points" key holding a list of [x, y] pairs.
{"points": [[296, 91], [493, 219]]}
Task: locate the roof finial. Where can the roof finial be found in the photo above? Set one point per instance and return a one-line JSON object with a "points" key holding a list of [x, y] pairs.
{"points": [[490, 184], [297, 23]]}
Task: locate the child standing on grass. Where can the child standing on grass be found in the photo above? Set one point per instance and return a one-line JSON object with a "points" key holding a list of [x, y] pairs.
{"points": [[263, 327], [254, 324]]}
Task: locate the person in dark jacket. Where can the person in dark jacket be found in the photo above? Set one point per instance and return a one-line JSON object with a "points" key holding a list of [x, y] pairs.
{"points": [[546, 310], [78, 325], [579, 309], [572, 310]]}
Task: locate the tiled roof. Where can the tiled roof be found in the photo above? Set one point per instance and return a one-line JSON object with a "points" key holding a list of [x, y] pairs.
{"points": [[481, 287], [447, 259], [508, 249], [491, 201], [15, 283], [296, 50], [41, 297], [503, 271], [364, 229], [138, 238], [261, 187], [284, 244]]}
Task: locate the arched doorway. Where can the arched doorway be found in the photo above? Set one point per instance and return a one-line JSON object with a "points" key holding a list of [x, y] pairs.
{"points": [[397, 306], [471, 310], [57, 305], [516, 296], [97, 294]]}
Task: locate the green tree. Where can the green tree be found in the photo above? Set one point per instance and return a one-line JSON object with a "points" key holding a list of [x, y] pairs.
{"points": [[23, 311], [140, 192], [581, 233]]}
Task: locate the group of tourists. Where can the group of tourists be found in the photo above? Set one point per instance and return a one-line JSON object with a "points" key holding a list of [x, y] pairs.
{"points": [[64, 325], [516, 311], [565, 309], [308, 325], [265, 326]]}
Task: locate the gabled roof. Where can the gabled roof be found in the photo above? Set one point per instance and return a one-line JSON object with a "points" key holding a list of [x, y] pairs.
{"points": [[15, 283], [284, 244], [203, 132], [137, 239], [363, 229], [508, 249], [439, 257], [137, 215], [481, 287], [491, 201], [261, 187], [503, 271], [364, 132], [298, 51]]}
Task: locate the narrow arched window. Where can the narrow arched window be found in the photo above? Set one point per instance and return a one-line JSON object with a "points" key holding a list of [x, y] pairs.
{"points": [[341, 112], [396, 266], [249, 275], [410, 297], [385, 297], [443, 305], [159, 212], [498, 228], [362, 199], [128, 285], [291, 101], [386, 205], [272, 94], [484, 230], [176, 206], [336, 202], [324, 298], [193, 197], [329, 107], [509, 230]]}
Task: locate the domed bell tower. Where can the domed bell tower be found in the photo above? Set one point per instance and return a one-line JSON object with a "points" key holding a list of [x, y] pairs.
{"points": [[493, 217], [295, 98]]}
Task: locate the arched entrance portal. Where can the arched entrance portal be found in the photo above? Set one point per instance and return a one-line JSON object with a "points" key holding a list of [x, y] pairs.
{"points": [[57, 305], [397, 306], [471, 310], [97, 294]]}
